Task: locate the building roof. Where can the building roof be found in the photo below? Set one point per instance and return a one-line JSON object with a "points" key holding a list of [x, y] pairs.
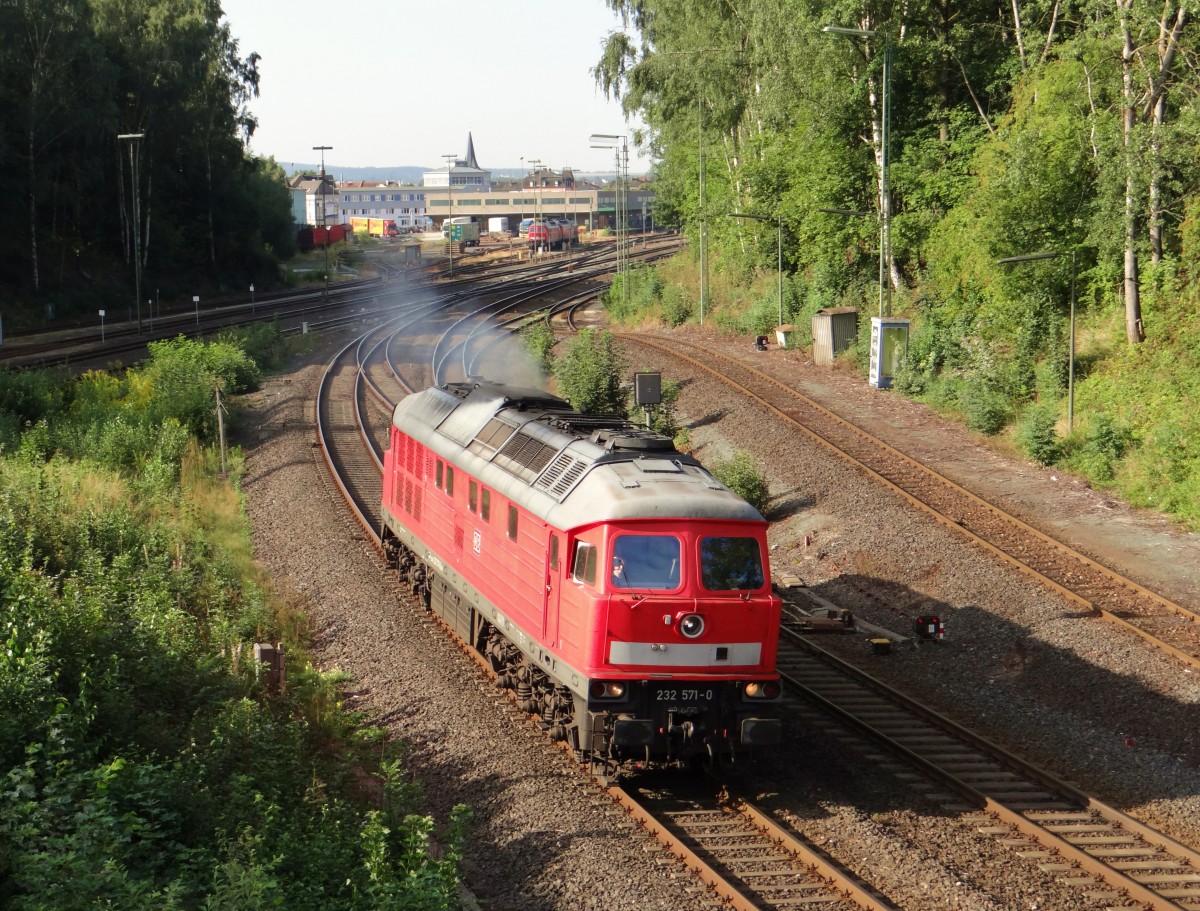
{"points": [[314, 184], [470, 161], [366, 184]]}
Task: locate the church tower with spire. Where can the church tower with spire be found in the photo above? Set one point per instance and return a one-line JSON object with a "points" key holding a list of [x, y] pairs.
{"points": [[461, 174]]}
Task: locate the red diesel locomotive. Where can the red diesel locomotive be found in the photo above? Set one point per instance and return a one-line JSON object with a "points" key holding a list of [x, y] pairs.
{"points": [[609, 579], [551, 233]]}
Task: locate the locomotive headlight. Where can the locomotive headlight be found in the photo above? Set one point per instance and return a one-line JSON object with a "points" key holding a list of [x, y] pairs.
{"points": [[767, 689], [691, 625], [611, 689]]}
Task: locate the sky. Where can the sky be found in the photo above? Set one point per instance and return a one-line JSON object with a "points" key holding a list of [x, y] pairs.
{"points": [[402, 82]]}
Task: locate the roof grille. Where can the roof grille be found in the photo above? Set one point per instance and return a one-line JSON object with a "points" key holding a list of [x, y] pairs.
{"points": [[561, 476], [524, 451]]}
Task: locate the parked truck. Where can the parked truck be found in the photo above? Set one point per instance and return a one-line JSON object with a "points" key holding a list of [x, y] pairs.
{"points": [[376, 227], [461, 230], [498, 224]]}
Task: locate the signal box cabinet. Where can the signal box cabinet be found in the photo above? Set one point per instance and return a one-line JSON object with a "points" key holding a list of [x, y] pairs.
{"points": [[834, 330]]}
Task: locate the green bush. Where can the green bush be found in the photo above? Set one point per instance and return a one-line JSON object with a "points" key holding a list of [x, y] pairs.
{"points": [[1105, 443], [539, 342], [589, 373], [1036, 434], [741, 474], [677, 306], [985, 409]]}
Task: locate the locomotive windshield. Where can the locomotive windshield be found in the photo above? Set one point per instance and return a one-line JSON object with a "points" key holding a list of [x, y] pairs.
{"points": [[645, 561], [730, 564]]}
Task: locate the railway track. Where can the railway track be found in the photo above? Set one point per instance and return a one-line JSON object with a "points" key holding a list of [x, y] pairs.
{"points": [[749, 861], [1112, 858], [744, 857], [1098, 589], [760, 867]]}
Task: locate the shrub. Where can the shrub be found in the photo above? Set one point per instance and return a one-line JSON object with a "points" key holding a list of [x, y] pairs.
{"points": [[985, 409], [677, 307], [741, 474], [1036, 435], [539, 342], [1105, 443], [589, 373]]}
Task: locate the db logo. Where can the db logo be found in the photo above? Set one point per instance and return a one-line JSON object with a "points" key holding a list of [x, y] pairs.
{"points": [[476, 541]]}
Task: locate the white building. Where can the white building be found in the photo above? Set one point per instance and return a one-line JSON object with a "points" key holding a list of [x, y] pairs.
{"points": [[319, 192], [404, 205]]}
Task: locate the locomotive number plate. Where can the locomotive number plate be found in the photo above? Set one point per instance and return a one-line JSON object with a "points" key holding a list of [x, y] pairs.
{"points": [[683, 695]]}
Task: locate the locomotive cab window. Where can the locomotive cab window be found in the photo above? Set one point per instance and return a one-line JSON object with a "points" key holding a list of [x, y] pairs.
{"points": [[449, 480], [583, 568], [645, 561], [439, 475], [512, 522], [731, 564], [485, 505], [472, 496]]}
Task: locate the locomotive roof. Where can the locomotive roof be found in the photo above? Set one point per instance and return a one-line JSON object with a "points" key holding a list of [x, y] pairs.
{"points": [[570, 468]]}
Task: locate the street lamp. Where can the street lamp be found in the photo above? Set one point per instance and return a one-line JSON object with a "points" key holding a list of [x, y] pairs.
{"points": [[778, 219], [450, 159], [325, 233], [885, 204], [252, 310], [535, 163], [136, 218], [620, 145], [1052, 254]]}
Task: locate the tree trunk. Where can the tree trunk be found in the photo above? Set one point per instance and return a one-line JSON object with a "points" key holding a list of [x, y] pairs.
{"points": [[1155, 188], [33, 232], [1167, 46], [212, 237], [1133, 304]]}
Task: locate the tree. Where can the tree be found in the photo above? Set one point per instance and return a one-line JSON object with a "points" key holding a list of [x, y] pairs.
{"points": [[589, 373]]}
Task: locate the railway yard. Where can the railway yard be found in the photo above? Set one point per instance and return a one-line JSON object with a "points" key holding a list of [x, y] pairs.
{"points": [[1094, 687]]}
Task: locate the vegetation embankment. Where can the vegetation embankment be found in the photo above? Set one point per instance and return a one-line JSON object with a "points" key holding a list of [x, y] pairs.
{"points": [[1061, 132], [146, 761]]}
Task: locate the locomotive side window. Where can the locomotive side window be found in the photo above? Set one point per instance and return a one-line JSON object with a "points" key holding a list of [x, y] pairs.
{"points": [[584, 567], [645, 561], [437, 477], [449, 480], [512, 522], [472, 496], [554, 551], [485, 511], [730, 564]]}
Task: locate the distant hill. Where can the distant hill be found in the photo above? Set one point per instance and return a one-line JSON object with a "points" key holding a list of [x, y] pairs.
{"points": [[410, 174], [399, 174]]}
